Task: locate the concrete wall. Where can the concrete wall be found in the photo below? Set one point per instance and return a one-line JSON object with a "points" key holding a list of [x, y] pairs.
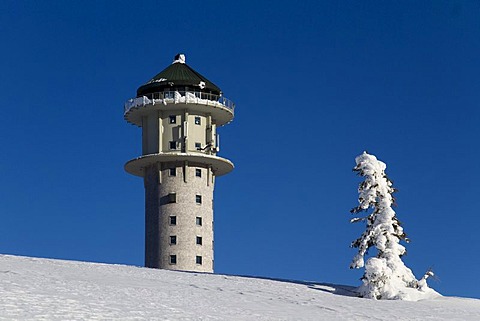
{"points": [[151, 134], [158, 210], [171, 132], [158, 132]]}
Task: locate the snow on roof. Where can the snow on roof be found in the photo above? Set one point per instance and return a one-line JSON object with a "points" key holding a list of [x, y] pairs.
{"points": [[178, 74], [179, 58]]}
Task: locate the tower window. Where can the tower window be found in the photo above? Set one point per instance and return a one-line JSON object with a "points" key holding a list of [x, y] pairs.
{"points": [[172, 119], [198, 172], [173, 259], [199, 240], [198, 259], [198, 146], [172, 197], [172, 172], [173, 220], [173, 239], [173, 145], [198, 221], [197, 120], [198, 199]]}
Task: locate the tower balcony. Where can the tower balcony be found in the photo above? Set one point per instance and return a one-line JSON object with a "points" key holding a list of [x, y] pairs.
{"points": [[220, 108], [219, 165]]}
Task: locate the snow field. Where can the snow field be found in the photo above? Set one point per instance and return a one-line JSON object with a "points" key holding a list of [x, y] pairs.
{"points": [[45, 289]]}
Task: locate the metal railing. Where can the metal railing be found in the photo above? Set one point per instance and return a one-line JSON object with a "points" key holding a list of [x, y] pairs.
{"points": [[178, 97]]}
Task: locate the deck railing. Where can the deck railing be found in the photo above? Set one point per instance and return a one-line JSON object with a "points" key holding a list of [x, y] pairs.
{"points": [[178, 97]]}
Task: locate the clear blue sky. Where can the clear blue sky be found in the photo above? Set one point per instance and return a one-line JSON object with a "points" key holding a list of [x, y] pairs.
{"points": [[315, 83]]}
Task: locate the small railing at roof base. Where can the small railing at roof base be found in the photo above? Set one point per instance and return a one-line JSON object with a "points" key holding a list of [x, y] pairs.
{"points": [[175, 97]]}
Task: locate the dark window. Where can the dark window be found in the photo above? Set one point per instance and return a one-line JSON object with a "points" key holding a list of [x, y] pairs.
{"points": [[173, 144], [173, 119], [199, 240], [198, 172], [197, 120], [172, 197], [198, 221], [198, 146], [173, 239], [173, 172], [199, 259], [198, 199], [173, 220], [173, 259]]}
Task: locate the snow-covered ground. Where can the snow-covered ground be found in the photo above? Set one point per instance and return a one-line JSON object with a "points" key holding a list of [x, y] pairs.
{"points": [[44, 289]]}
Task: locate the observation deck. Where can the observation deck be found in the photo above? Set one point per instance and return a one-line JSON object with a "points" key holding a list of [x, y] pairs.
{"points": [[220, 108]]}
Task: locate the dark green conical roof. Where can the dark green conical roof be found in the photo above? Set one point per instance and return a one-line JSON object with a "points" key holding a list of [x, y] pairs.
{"points": [[177, 76]]}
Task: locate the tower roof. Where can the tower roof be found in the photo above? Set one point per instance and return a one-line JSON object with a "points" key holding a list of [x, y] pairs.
{"points": [[178, 74]]}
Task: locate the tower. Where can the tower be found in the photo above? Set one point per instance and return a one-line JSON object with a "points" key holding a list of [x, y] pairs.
{"points": [[179, 112]]}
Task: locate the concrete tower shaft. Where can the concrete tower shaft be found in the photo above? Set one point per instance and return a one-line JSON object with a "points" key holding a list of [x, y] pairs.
{"points": [[179, 112]]}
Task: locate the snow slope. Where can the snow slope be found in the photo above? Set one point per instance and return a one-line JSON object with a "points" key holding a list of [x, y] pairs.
{"points": [[44, 289]]}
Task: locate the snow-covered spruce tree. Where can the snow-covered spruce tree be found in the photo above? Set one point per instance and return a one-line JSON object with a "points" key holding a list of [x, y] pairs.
{"points": [[386, 276]]}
